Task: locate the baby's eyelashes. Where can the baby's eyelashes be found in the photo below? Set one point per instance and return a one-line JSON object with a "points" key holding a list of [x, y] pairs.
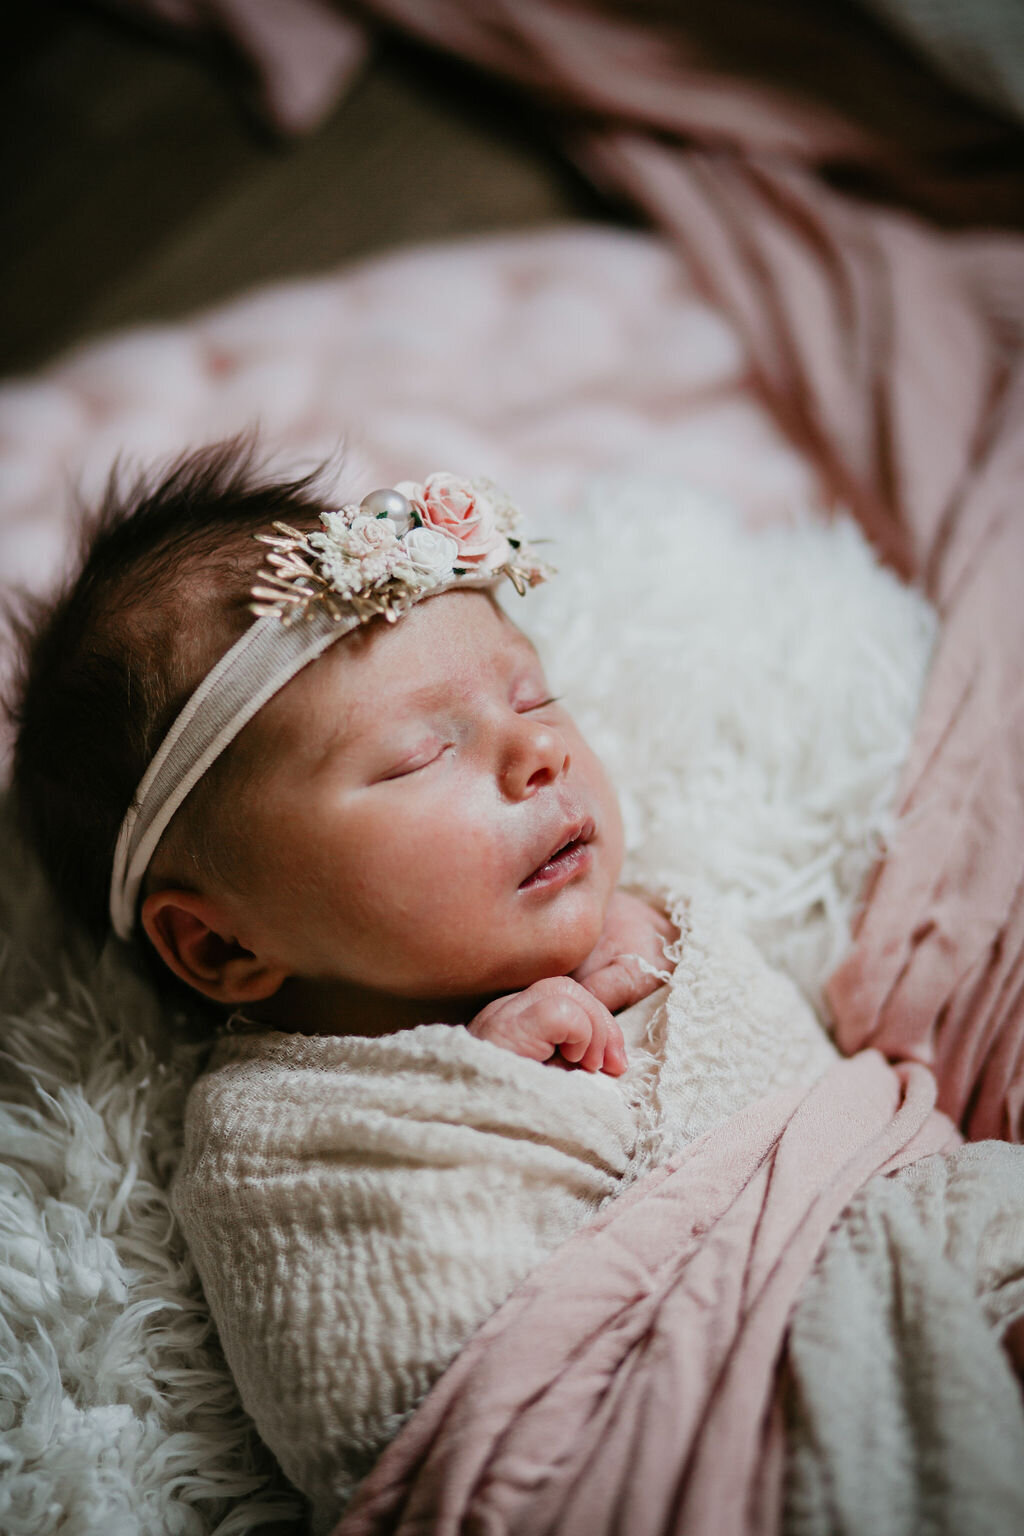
{"points": [[422, 757], [527, 700], [535, 701]]}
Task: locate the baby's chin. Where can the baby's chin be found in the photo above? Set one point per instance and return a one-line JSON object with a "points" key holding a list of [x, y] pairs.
{"points": [[559, 953]]}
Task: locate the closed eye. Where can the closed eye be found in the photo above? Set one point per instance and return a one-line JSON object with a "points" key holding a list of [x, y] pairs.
{"points": [[541, 704], [415, 764]]}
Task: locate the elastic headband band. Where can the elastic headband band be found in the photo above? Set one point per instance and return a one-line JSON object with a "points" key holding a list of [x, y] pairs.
{"points": [[321, 587], [251, 672]]}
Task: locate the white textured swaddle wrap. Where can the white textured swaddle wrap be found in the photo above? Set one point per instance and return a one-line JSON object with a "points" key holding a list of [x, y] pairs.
{"points": [[357, 1207]]}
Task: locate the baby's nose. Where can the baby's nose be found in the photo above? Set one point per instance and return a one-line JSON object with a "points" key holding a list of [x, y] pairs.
{"points": [[536, 755]]}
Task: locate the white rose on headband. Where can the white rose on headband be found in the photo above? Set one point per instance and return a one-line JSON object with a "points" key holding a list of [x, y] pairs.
{"points": [[429, 557], [466, 514]]}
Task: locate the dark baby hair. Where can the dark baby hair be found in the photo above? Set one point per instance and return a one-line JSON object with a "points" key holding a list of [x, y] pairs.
{"points": [[160, 591]]}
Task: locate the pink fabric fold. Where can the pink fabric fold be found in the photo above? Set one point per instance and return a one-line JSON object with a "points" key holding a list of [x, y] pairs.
{"points": [[630, 1383], [304, 54]]}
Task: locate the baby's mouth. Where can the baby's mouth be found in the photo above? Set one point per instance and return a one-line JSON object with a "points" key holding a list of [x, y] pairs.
{"points": [[566, 860]]}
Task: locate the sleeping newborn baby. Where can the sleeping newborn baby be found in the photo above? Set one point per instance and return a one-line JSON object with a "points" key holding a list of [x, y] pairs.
{"points": [[361, 827]]}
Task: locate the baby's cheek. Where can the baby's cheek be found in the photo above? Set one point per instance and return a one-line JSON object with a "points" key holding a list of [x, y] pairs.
{"points": [[465, 857], [613, 834]]}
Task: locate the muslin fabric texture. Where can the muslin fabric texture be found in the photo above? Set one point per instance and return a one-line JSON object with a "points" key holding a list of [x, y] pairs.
{"points": [[903, 1410], [357, 1207]]}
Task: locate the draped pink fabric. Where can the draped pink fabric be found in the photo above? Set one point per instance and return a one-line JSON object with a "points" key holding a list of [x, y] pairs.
{"points": [[629, 1384], [892, 352]]}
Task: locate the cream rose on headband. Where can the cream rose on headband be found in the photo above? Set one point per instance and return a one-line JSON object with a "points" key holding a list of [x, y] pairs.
{"points": [[356, 553]]}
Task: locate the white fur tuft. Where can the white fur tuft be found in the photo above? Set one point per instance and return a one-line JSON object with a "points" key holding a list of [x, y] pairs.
{"points": [[117, 1414]]}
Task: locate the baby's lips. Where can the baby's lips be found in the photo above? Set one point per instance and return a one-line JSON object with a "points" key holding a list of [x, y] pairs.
{"points": [[575, 828]]}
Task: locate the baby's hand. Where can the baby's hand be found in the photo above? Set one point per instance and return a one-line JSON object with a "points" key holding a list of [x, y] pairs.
{"points": [[610, 972], [554, 1014]]}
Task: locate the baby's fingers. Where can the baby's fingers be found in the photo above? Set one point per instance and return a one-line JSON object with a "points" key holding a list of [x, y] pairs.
{"points": [[570, 1028], [614, 1062], [555, 1015], [604, 1049], [620, 983]]}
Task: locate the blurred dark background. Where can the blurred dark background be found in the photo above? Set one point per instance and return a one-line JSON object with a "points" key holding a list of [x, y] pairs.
{"points": [[140, 181]]}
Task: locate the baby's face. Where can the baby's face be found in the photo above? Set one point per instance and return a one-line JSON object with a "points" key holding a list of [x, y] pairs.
{"points": [[424, 819]]}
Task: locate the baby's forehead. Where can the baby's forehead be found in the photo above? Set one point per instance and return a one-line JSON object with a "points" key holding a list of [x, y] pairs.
{"points": [[449, 642], [444, 649]]}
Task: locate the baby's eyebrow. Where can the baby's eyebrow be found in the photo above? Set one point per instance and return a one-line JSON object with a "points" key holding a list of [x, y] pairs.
{"points": [[361, 721]]}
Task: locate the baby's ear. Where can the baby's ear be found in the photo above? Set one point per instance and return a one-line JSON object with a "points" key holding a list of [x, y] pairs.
{"points": [[192, 938]]}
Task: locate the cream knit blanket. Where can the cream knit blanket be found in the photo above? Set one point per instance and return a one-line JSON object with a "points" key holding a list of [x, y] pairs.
{"points": [[357, 1207]]}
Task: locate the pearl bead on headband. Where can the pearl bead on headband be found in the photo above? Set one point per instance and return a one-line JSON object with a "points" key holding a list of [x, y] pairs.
{"points": [[374, 559]]}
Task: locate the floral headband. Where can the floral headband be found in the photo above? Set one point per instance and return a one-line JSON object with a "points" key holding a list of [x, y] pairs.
{"points": [[374, 559]]}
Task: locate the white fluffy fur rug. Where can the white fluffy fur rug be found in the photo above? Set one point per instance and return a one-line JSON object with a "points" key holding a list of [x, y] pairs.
{"points": [[753, 693]]}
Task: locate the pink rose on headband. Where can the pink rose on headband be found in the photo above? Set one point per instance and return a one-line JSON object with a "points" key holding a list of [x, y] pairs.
{"points": [[467, 514]]}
